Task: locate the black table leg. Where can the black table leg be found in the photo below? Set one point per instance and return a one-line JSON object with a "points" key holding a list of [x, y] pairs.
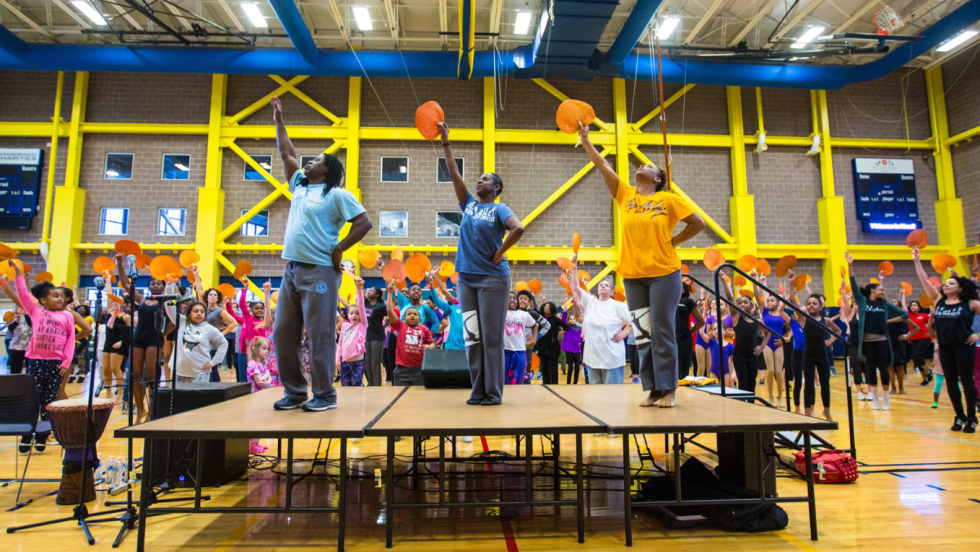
{"points": [[146, 488], [528, 476], [342, 499], [442, 469], [677, 467], [289, 474], [199, 472], [389, 493], [627, 492], [579, 487], [810, 493], [556, 448]]}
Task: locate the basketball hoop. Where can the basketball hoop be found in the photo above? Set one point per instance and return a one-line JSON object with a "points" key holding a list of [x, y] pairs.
{"points": [[886, 20]]}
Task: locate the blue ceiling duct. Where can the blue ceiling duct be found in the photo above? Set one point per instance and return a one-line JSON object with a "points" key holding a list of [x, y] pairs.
{"points": [[636, 24], [570, 43], [824, 77], [296, 28]]}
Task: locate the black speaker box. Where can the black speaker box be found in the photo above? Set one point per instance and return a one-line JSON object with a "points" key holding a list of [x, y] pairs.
{"points": [[446, 369], [223, 458]]}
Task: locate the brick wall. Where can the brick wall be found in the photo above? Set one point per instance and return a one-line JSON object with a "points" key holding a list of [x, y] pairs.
{"points": [[874, 109], [28, 96], [925, 184], [148, 98], [399, 98], [786, 184], [785, 112], [34, 234], [523, 104], [966, 170], [703, 110], [244, 90], [962, 81]]}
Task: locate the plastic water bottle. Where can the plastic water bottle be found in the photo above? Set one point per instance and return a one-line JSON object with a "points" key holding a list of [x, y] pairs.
{"points": [[101, 468], [110, 472], [123, 478]]}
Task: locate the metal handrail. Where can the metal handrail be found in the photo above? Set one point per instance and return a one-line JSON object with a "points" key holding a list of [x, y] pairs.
{"points": [[847, 362], [730, 303]]}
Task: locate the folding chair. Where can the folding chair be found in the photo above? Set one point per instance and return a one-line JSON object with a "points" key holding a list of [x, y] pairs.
{"points": [[19, 409]]}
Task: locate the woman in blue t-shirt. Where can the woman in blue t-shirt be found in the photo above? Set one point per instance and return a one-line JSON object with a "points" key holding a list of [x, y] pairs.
{"points": [[483, 286]]}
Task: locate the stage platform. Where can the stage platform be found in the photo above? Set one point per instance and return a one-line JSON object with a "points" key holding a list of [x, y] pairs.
{"points": [[528, 410]]}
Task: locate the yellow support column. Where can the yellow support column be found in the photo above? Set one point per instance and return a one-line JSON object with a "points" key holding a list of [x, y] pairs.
{"points": [[52, 158], [353, 155], [211, 198], [741, 204], [622, 157], [489, 126], [949, 209], [830, 208], [69, 201]]}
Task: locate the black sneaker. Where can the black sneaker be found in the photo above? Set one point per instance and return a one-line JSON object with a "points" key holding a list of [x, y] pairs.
{"points": [[489, 402], [971, 426], [287, 403], [957, 425], [317, 404], [25, 444], [474, 401]]}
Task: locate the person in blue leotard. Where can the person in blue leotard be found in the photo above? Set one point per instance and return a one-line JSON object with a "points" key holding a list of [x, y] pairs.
{"points": [[773, 316]]}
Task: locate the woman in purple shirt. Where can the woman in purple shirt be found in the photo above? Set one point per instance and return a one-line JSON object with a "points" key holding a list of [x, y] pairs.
{"points": [[571, 345]]}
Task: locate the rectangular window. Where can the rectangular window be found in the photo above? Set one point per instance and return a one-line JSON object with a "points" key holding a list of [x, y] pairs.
{"points": [[394, 224], [447, 223], [171, 222], [442, 170], [114, 222], [394, 169], [257, 225], [176, 166], [304, 159], [264, 161], [118, 166]]}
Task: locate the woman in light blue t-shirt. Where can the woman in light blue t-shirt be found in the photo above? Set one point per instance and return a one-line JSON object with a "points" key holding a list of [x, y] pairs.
{"points": [[483, 286]]}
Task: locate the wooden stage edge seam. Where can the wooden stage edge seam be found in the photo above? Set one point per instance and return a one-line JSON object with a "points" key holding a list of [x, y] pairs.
{"points": [[385, 411], [569, 403]]}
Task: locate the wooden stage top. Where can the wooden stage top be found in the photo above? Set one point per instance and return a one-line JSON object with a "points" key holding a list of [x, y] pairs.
{"points": [[616, 407], [538, 409]]}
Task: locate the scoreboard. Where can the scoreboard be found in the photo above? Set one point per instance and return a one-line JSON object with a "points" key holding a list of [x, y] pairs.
{"points": [[20, 185], [885, 197]]}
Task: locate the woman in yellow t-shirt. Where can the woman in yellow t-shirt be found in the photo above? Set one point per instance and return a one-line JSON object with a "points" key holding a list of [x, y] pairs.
{"points": [[650, 268]]}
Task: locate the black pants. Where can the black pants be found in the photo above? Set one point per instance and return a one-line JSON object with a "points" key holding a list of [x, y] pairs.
{"points": [[878, 357], [15, 361], [685, 356], [958, 366], [796, 363], [549, 368], [574, 361], [920, 351], [857, 367], [389, 359], [634, 358], [746, 369], [815, 365]]}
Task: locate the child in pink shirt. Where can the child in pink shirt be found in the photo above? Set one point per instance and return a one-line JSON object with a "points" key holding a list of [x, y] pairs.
{"points": [[52, 346], [255, 322], [261, 376], [350, 349]]}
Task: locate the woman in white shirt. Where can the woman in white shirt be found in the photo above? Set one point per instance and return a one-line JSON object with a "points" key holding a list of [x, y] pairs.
{"points": [[605, 325]]}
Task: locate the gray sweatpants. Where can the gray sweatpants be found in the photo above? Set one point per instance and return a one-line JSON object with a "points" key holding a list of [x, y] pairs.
{"points": [[484, 301], [653, 308], [307, 298], [372, 361]]}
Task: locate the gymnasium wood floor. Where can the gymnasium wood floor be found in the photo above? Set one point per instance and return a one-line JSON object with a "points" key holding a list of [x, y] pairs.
{"points": [[920, 486]]}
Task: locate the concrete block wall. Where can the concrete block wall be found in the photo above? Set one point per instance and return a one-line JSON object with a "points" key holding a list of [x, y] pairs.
{"points": [[962, 81], [876, 108], [785, 112], [244, 90], [703, 110], [28, 96], [156, 98], [786, 185]]}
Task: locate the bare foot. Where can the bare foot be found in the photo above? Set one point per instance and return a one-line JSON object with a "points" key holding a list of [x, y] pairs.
{"points": [[669, 400], [797, 410], [808, 411], [826, 414], [654, 398]]}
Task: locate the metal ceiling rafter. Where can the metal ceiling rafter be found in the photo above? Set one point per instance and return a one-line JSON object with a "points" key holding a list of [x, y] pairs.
{"points": [[26, 19], [712, 9], [918, 12], [71, 13], [231, 15], [856, 16], [337, 16], [496, 15], [176, 13], [125, 14], [390, 10], [148, 12], [805, 11], [756, 19], [444, 23]]}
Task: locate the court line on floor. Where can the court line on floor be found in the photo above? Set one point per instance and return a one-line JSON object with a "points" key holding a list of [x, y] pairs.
{"points": [[795, 541], [898, 398], [910, 429]]}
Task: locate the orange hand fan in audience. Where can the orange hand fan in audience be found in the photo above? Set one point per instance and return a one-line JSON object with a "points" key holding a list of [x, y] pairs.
{"points": [[189, 258], [128, 247], [917, 238], [782, 289], [368, 258], [563, 282], [7, 252], [713, 259], [576, 242], [936, 282], [584, 278], [416, 267], [843, 272], [227, 290], [427, 119], [926, 302], [534, 286], [746, 293], [801, 281], [143, 261], [571, 113], [44, 277], [762, 267], [454, 277], [190, 276], [520, 286], [943, 262], [886, 268], [103, 264], [740, 280], [165, 268], [242, 269], [397, 254], [393, 270], [446, 270], [784, 265], [564, 263], [907, 287], [747, 262], [685, 269]]}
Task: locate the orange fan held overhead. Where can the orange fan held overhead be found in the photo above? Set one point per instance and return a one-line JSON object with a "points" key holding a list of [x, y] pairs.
{"points": [[427, 119], [571, 113]]}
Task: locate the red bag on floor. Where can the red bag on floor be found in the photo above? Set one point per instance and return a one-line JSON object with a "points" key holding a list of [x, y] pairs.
{"points": [[829, 466]]}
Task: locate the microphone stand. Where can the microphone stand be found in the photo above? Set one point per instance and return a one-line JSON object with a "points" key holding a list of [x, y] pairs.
{"points": [[80, 513]]}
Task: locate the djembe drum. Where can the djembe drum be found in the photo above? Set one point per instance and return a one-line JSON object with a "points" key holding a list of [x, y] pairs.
{"points": [[68, 418]]}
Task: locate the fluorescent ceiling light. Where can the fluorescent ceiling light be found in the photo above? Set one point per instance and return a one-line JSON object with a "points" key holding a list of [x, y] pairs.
{"points": [[89, 12], [667, 26], [523, 22], [957, 40], [180, 167], [254, 15], [807, 37], [363, 17]]}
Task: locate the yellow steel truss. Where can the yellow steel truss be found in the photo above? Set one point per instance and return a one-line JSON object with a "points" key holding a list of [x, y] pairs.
{"points": [[618, 137]]}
